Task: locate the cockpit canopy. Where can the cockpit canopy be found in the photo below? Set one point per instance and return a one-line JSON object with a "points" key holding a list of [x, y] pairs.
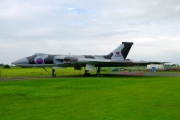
{"points": [[39, 54]]}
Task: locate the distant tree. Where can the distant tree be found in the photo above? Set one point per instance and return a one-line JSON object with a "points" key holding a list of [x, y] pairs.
{"points": [[6, 66], [173, 65], [167, 65]]}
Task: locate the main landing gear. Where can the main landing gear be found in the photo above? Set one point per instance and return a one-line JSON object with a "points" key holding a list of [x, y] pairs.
{"points": [[53, 73], [98, 73], [86, 73]]}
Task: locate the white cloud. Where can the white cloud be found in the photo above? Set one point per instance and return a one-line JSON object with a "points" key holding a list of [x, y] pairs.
{"points": [[90, 27], [14, 10]]}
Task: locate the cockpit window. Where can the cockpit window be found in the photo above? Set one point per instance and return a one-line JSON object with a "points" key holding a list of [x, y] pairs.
{"points": [[35, 55], [39, 54]]}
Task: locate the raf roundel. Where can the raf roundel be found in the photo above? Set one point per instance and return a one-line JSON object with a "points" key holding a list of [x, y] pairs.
{"points": [[39, 61]]}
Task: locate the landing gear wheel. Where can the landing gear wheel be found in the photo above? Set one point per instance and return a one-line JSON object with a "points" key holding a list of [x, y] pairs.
{"points": [[99, 71], [53, 75], [86, 74], [99, 75]]}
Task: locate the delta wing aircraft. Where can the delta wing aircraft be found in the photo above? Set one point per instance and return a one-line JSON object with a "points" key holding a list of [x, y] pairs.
{"points": [[116, 58]]}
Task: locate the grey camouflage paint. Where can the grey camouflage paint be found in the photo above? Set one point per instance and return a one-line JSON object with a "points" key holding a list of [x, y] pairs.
{"points": [[113, 59]]}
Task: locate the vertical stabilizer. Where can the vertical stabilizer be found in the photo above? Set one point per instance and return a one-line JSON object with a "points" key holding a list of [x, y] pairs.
{"points": [[121, 52], [126, 49]]}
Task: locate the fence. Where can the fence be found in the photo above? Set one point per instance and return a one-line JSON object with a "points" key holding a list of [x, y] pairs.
{"points": [[173, 69], [132, 73]]}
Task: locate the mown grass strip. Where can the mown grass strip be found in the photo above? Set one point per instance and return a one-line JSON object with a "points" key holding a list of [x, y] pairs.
{"points": [[91, 98]]}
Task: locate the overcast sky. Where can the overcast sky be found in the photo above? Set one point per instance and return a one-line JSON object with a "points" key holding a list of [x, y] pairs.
{"points": [[90, 27]]}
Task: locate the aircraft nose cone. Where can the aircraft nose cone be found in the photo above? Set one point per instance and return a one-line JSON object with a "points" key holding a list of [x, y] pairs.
{"points": [[21, 61]]}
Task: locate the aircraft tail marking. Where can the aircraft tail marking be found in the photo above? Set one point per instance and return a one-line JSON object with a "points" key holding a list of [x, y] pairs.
{"points": [[121, 52], [126, 49]]}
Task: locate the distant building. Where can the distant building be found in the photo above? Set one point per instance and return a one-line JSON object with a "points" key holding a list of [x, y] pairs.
{"points": [[157, 66]]}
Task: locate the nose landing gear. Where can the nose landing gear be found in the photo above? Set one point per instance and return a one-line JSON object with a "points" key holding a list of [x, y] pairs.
{"points": [[99, 71], [53, 73]]}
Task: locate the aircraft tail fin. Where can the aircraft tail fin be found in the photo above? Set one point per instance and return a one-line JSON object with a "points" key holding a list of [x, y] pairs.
{"points": [[121, 52]]}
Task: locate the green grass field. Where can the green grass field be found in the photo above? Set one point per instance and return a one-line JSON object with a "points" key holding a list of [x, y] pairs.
{"points": [[87, 98], [34, 72]]}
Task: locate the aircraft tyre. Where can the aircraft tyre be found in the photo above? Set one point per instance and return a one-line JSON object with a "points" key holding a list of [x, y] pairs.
{"points": [[99, 75], [86, 74], [53, 75]]}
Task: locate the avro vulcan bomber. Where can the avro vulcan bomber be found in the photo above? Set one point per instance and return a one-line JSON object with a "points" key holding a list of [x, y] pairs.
{"points": [[116, 58]]}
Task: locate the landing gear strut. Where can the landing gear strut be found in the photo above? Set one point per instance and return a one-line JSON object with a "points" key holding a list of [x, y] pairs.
{"points": [[99, 71], [53, 74], [86, 73]]}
